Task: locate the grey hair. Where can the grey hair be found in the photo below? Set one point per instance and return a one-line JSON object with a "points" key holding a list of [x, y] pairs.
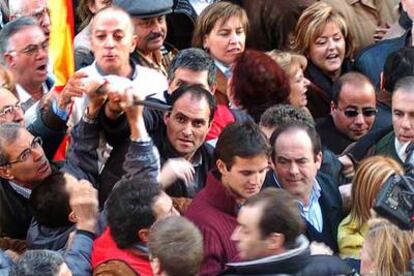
{"points": [[406, 84], [38, 262], [281, 114], [16, 8], [12, 28], [193, 59], [9, 132]]}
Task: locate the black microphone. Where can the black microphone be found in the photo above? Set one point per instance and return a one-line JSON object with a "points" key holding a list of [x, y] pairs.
{"points": [[153, 105]]}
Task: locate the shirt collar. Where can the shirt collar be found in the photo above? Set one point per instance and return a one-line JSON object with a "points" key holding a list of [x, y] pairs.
{"points": [[25, 192], [132, 76], [225, 69], [400, 148], [313, 197], [24, 95]]}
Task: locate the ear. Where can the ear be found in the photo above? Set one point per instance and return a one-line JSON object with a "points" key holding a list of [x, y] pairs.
{"points": [[333, 107], [9, 59], [318, 160], [156, 266], [72, 217], [221, 166], [275, 241], [382, 80], [206, 43], [213, 88], [143, 235], [133, 43], [167, 117], [6, 173]]}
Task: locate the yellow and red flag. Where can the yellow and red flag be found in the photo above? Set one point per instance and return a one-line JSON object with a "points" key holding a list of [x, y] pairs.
{"points": [[61, 52]]}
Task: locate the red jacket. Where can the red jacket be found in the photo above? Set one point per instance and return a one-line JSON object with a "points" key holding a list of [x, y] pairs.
{"points": [[105, 249]]}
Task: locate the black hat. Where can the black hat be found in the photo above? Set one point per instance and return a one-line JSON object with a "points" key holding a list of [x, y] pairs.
{"points": [[145, 8]]}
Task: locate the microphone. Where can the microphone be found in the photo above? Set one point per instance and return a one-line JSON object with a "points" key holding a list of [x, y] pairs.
{"points": [[153, 105]]}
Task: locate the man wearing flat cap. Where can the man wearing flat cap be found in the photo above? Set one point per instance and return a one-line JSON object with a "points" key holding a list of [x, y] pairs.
{"points": [[151, 30]]}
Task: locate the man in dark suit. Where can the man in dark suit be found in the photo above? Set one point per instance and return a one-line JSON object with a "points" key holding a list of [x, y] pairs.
{"points": [[297, 159]]}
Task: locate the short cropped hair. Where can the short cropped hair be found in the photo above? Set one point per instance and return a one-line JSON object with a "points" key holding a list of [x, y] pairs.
{"points": [[38, 262], [193, 59], [178, 244], [12, 28], [294, 126], [398, 65], [49, 201], [221, 10], [243, 140], [406, 84], [281, 114], [197, 91], [351, 78], [130, 208], [280, 214]]}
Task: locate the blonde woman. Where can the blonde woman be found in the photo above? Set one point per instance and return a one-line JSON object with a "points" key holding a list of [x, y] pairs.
{"points": [[293, 65], [386, 249], [323, 37], [368, 180]]}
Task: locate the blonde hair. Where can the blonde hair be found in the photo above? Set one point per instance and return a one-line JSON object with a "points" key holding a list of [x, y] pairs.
{"points": [[218, 11], [289, 62], [393, 252], [312, 23], [368, 180], [8, 80]]}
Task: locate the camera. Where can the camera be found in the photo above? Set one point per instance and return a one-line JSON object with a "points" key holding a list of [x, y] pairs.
{"points": [[395, 201]]}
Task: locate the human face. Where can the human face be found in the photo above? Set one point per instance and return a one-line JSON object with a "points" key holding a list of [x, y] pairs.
{"points": [[367, 264], [10, 110], [403, 115], [327, 52], [408, 6], [97, 5], [359, 98], [183, 76], [40, 11], [112, 42], [163, 207], [245, 177], [248, 238], [188, 124], [150, 32], [298, 88], [30, 172], [27, 58], [226, 40], [295, 164]]}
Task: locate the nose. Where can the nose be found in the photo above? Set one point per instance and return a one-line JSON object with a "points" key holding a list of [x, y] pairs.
{"points": [[306, 82], [37, 153], [235, 235], [234, 38], [294, 169], [18, 115], [157, 27], [187, 129], [109, 42], [331, 44], [359, 119], [45, 21], [406, 122]]}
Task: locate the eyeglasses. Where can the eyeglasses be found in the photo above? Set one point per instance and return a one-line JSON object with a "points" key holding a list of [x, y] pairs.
{"points": [[27, 153], [38, 14], [8, 110], [33, 49], [353, 112]]}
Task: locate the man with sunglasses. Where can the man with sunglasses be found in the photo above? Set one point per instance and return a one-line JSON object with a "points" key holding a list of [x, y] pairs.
{"points": [[353, 112]]}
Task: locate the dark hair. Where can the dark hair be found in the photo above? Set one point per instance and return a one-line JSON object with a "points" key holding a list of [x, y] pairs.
{"points": [[12, 28], [130, 208], [197, 91], [9, 133], [243, 140], [280, 114], [398, 64], [294, 126], [38, 262], [178, 244], [354, 78], [272, 23], [49, 201], [406, 84], [258, 82], [280, 214], [193, 59]]}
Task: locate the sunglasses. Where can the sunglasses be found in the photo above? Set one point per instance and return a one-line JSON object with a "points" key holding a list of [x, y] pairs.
{"points": [[366, 112]]}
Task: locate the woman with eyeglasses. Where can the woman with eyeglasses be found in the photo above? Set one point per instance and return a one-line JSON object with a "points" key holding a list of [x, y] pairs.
{"points": [[367, 182], [323, 37]]}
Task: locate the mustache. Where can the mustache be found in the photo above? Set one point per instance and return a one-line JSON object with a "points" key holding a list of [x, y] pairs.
{"points": [[153, 36]]}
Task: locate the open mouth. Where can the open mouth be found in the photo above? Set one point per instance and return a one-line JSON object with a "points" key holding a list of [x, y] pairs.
{"points": [[41, 68], [43, 168]]}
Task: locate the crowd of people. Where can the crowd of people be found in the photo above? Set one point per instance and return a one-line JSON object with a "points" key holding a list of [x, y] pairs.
{"points": [[206, 137]]}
